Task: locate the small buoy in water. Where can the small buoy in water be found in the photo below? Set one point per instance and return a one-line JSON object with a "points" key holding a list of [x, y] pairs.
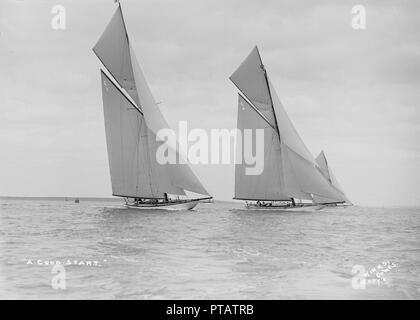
{"points": [[76, 201]]}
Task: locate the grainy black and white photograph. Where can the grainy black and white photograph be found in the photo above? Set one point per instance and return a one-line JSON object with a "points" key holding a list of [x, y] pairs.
{"points": [[209, 150]]}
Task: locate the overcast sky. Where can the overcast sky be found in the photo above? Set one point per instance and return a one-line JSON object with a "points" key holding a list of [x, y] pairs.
{"points": [[353, 93]]}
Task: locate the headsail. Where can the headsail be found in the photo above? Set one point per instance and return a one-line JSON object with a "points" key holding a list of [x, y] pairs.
{"points": [[295, 167], [309, 179], [133, 128], [323, 165], [180, 173], [321, 161], [288, 133]]}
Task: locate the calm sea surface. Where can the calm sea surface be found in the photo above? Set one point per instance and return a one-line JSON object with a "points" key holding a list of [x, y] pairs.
{"points": [[217, 251]]}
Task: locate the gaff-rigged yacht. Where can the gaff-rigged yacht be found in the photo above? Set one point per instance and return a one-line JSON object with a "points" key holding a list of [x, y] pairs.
{"points": [[291, 179], [132, 124], [325, 168]]}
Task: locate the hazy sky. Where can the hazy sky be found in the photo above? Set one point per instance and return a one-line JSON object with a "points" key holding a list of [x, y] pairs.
{"points": [[353, 93]]}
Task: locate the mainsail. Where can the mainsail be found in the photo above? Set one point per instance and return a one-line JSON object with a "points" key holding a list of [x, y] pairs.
{"points": [[132, 124], [291, 170], [265, 185], [271, 183]]}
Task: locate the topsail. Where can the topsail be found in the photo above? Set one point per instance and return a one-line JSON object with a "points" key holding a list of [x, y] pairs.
{"points": [[113, 49], [133, 121]]}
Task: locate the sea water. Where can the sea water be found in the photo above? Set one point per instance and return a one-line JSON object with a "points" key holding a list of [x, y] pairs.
{"points": [[101, 250]]}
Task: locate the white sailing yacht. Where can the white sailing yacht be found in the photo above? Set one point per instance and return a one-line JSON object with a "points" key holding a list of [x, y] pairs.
{"points": [[291, 179], [132, 124]]}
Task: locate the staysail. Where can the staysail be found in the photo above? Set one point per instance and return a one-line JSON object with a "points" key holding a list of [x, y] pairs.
{"points": [[132, 127], [181, 174], [295, 169]]}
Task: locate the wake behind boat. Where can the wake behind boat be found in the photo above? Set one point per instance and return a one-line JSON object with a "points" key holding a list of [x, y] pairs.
{"points": [[291, 179], [132, 124]]}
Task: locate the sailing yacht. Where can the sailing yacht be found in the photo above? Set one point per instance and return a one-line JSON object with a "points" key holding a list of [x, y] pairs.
{"points": [[132, 124], [291, 179], [323, 165]]}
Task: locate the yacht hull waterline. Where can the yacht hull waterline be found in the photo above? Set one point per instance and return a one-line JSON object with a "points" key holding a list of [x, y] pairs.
{"points": [[298, 208], [184, 205]]}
